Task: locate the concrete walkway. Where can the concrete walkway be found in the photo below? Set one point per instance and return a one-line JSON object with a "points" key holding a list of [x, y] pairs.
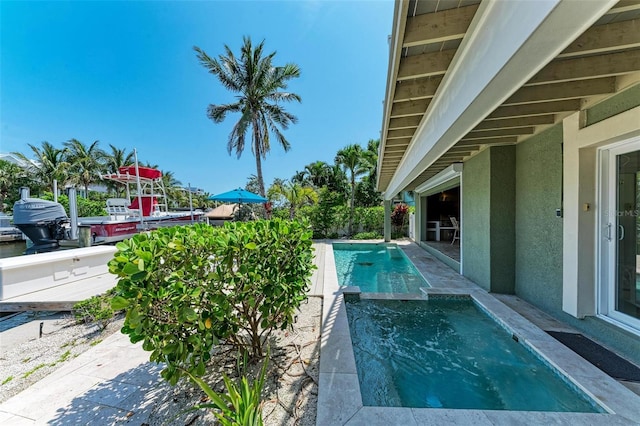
{"points": [[111, 383]]}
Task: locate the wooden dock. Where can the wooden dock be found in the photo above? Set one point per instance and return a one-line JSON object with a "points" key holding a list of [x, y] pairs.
{"points": [[60, 298]]}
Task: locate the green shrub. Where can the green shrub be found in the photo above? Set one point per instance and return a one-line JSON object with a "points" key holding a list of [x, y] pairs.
{"points": [[185, 288], [371, 219], [96, 309], [86, 208], [367, 236]]}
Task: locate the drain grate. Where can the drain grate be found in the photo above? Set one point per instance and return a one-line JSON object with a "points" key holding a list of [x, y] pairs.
{"points": [[612, 364]]}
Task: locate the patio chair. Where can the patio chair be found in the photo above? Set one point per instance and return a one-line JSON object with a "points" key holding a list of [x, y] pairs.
{"points": [[456, 229]]}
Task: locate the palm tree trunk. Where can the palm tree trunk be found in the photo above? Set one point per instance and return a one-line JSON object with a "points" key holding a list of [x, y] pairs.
{"points": [[258, 153]]}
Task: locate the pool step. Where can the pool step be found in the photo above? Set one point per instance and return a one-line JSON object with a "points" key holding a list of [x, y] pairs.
{"points": [[394, 252]]}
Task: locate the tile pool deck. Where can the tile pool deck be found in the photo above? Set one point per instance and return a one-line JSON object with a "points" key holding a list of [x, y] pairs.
{"points": [[339, 399]]}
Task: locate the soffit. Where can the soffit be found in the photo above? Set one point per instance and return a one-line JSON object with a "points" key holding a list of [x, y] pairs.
{"points": [[602, 61]]}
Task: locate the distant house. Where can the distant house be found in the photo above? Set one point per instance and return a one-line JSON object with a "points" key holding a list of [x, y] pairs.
{"points": [[521, 120], [12, 158]]}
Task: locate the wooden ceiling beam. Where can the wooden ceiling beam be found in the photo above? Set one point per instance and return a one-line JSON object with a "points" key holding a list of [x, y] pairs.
{"points": [[489, 134], [438, 27], [605, 38], [508, 123], [425, 65], [412, 108], [608, 65], [542, 108], [404, 122], [400, 133], [624, 6], [561, 91], [420, 88], [503, 140], [397, 142]]}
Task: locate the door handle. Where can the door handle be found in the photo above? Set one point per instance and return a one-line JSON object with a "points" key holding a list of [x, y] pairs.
{"points": [[621, 232], [608, 232]]}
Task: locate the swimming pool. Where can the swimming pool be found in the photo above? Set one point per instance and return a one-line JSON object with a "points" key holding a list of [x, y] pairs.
{"points": [[376, 268], [447, 353]]}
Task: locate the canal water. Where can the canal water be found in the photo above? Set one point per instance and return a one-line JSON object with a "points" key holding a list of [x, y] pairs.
{"points": [[12, 249]]}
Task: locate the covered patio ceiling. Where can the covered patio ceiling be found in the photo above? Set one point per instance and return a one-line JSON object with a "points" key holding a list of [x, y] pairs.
{"points": [[439, 51]]}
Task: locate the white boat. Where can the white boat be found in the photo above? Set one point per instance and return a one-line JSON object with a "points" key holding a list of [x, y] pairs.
{"points": [[145, 208], [126, 218]]}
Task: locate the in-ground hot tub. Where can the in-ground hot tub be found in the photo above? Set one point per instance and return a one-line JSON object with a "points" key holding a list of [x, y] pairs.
{"points": [[448, 353]]}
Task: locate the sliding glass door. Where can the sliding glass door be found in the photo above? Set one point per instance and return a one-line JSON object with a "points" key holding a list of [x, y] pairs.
{"points": [[620, 225]]}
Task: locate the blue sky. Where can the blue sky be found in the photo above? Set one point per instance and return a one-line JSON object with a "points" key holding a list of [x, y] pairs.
{"points": [[125, 73]]}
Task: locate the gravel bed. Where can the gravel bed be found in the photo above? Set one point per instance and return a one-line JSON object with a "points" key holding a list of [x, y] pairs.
{"points": [[289, 395], [291, 387], [26, 358]]}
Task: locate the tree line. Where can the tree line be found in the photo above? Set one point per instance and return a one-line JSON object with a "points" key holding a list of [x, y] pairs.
{"points": [[77, 164]]}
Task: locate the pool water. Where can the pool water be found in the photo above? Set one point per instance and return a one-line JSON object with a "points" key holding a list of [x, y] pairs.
{"points": [[376, 268], [447, 353]]}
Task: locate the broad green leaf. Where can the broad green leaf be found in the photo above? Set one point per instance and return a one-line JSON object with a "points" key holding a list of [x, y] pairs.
{"points": [[118, 303]]}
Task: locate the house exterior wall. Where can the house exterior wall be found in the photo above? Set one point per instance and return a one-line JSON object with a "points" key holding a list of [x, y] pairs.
{"points": [[538, 242], [502, 219], [510, 200], [476, 252], [488, 213]]}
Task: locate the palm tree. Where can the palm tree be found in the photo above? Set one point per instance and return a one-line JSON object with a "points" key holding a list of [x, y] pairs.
{"points": [[86, 163], [115, 159], [12, 177], [259, 86], [371, 158], [366, 194], [352, 159], [295, 195], [299, 178], [317, 173], [50, 164], [173, 188], [338, 181]]}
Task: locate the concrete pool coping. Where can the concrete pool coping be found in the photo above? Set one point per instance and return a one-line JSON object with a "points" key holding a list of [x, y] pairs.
{"points": [[339, 398]]}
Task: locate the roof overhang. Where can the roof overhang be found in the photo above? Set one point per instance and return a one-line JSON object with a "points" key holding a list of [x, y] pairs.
{"points": [[452, 172], [464, 75]]}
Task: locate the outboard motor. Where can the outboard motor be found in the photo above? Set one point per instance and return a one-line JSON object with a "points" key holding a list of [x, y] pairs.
{"points": [[44, 222]]}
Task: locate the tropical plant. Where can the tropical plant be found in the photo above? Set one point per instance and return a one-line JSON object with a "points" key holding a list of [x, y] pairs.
{"points": [[50, 164], [338, 182], [260, 88], [352, 159], [12, 177], [242, 403], [366, 194], [367, 236], [322, 217], [294, 195], [185, 288], [96, 309], [318, 173], [399, 216], [176, 194], [299, 178], [113, 160], [86, 162], [86, 207]]}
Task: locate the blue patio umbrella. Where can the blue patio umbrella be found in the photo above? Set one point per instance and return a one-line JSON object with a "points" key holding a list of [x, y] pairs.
{"points": [[238, 196]]}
